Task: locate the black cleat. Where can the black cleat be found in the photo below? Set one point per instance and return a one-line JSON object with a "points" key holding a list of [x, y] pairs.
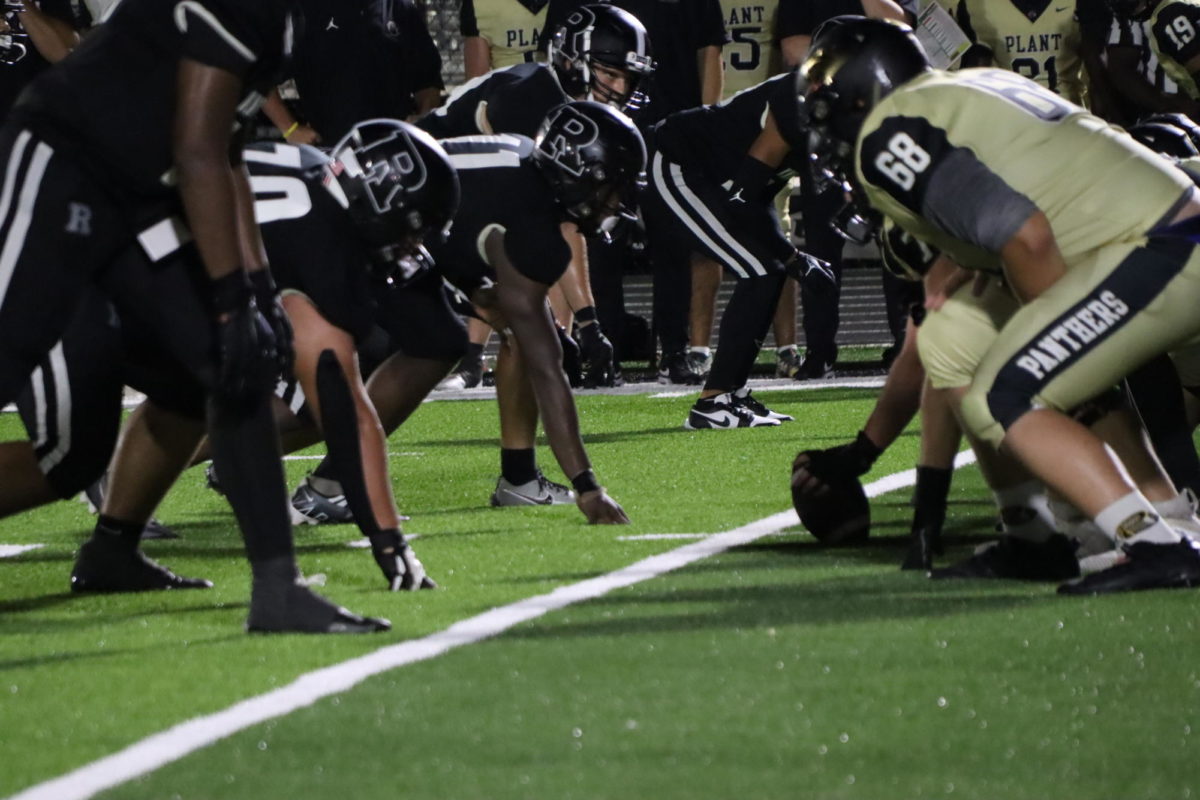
{"points": [[155, 529], [675, 368], [112, 568], [1011, 557], [1148, 565], [211, 480], [293, 608], [924, 544]]}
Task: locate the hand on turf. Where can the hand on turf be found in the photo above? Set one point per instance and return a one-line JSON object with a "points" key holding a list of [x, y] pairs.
{"points": [[600, 509], [401, 568], [597, 353]]}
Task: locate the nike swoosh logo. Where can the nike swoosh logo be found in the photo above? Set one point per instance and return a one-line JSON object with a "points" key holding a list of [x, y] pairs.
{"points": [[721, 419]]}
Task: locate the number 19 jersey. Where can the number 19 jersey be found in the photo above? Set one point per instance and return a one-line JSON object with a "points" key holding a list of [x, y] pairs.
{"points": [[962, 160], [1174, 28]]}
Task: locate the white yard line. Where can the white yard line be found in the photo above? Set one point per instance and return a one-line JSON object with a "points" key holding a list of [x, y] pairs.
{"points": [[10, 550], [185, 738]]}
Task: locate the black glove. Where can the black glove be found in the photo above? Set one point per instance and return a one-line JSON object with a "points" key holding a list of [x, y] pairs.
{"points": [[245, 342], [266, 297], [572, 363], [597, 353], [813, 274], [929, 499], [851, 460], [401, 568]]}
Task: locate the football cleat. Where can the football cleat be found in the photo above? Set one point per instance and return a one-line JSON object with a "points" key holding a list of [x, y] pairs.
{"points": [[720, 412], [742, 397], [310, 507], [94, 497], [787, 363], [674, 368], [293, 608], [467, 375], [814, 368], [1023, 559], [105, 567], [1146, 565], [211, 480], [540, 491], [699, 362]]}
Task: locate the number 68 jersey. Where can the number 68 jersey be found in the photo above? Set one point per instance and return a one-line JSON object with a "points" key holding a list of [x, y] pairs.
{"points": [[962, 160]]}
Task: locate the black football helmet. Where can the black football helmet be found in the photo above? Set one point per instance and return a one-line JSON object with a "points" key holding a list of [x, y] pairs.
{"points": [[1173, 118], [854, 62], [595, 160], [607, 36], [1164, 138], [400, 189]]}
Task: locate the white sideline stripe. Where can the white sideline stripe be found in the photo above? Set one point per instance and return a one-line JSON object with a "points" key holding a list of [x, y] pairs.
{"points": [[655, 537], [10, 550], [176, 742]]}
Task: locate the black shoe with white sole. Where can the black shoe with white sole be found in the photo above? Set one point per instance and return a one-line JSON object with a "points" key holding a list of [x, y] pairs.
{"points": [[721, 412], [743, 398], [1147, 565]]}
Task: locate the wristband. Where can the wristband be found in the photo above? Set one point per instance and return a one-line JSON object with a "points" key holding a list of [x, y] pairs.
{"points": [[586, 314], [291, 129], [262, 284], [231, 291], [867, 448], [585, 482]]}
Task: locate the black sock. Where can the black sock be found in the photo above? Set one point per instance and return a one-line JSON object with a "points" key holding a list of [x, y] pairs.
{"points": [[111, 530], [929, 497], [325, 470], [474, 353], [518, 466]]}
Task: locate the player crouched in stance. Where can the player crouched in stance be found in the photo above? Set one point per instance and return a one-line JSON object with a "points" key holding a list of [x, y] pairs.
{"points": [[342, 234], [98, 202], [1003, 176], [506, 250]]}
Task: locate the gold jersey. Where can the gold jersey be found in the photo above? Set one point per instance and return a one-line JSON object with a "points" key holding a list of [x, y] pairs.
{"points": [[1038, 39], [752, 54], [511, 30], [1174, 32], [961, 160]]}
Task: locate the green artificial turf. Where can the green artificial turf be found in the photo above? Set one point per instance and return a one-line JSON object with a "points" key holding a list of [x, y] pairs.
{"points": [[778, 669]]}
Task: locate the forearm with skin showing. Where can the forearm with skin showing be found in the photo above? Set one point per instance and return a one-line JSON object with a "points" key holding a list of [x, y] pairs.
{"points": [[575, 282], [712, 76], [52, 37], [901, 395], [207, 98]]}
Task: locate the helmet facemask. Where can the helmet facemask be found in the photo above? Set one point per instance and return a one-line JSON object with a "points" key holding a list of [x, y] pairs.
{"points": [[595, 43]]}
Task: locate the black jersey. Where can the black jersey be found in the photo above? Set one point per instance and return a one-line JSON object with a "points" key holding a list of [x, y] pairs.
{"points": [[515, 99], [502, 189], [360, 59], [311, 242], [716, 138], [112, 100]]}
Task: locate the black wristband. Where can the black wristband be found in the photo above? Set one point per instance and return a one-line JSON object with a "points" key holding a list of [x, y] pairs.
{"points": [[262, 283], [586, 314], [231, 291], [866, 449], [585, 482]]}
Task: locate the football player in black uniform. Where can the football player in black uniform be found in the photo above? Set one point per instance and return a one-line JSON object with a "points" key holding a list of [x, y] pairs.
{"points": [[599, 53], [95, 198], [714, 174], [506, 250]]}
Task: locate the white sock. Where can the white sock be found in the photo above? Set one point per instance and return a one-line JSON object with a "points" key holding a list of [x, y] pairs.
{"points": [[1133, 519], [1025, 511], [786, 348], [1176, 508], [704, 351]]}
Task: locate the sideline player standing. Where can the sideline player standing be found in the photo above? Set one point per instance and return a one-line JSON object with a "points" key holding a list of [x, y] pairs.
{"points": [[88, 187]]}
